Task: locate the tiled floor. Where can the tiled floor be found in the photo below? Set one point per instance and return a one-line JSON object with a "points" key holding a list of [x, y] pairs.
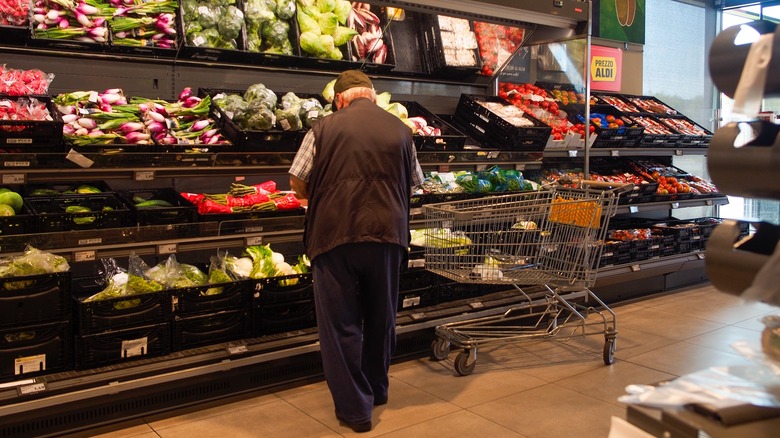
{"points": [[542, 389]]}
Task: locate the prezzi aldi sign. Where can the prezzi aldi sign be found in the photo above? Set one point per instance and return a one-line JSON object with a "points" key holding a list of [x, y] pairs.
{"points": [[605, 68]]}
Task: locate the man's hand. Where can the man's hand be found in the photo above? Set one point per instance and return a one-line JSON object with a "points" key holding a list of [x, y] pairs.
{"points": [[300, 187]]}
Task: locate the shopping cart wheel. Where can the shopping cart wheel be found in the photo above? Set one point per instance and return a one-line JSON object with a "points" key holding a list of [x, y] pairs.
{"points": [[440, 348], [462, 364], [609, 351]]}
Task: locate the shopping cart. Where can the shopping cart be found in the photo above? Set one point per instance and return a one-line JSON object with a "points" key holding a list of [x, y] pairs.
{"points": [[549, 241]]}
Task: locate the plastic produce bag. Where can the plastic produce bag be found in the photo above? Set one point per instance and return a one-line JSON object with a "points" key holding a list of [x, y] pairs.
{"points": [[32, 262]]}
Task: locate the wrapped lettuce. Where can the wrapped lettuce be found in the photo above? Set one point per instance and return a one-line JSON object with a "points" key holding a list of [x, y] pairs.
{"points": [[231, 23], [276, 32], [259, 117], [310, 111], [285, 9], [288, 119]]}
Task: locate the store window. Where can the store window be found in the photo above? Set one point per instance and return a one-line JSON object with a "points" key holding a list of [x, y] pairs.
{"points": [[762, 209]]}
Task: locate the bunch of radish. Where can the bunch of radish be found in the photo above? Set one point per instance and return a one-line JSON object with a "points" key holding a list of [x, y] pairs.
{"points": [[144, 23], [82, 20]]}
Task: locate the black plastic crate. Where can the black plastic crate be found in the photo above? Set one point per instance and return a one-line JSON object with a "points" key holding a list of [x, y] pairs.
{"points": [[210, 298], [691, 133], [282, 304], [626, 136], [450, 139], [207, 329], [51, 215], [118, 313], [273, 140], [367, 64], [181, 211], [452, 291], [118, 346], [35, 299], [34, 350], [492, 130], [420, 297], [193, 50], [20, 223], [20, 136], [65, 188], [433, 48], [40, 39], [14, 34]]}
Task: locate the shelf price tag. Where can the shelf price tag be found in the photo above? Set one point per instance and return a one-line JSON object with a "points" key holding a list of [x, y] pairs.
{"points": [[675, 205], [708, 202], [416, 316], [167, 248], [493, 155], [678, 152], [635, 268], [573, 153], [614, 153], [31, 389], [476, 305], [633, 209], [520, 166], [254, 240], [416, 211], [480, 167], [84, 256], [13, 178], [239, 349], [143, 175], [701, 256]]}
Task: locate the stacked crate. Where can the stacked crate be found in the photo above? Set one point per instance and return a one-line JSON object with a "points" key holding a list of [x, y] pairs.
{"points": [[281, 304], [209, 314], [122, 329], [35, 325]]}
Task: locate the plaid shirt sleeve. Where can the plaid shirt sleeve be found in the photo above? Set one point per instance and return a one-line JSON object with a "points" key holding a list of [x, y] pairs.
{"points": [[304, 158], [417, 173]]}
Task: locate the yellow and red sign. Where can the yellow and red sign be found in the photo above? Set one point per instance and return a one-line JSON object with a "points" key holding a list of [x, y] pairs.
{"points": [[605, 68]]}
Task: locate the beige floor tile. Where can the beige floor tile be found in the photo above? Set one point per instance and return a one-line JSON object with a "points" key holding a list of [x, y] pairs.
{"points": [[609, 383], [715, 306], [126, 429], [685, 357], [406, 406], [551, 411], [276, 419], [293, 390], [553, 359], [755, 323], [210, 409], [631, 342], [465, 391], [721, 339], [668, 325], [457, 424]]}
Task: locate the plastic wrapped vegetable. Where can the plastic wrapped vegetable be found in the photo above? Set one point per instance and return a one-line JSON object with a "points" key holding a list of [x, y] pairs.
{"points": [[285, 9], [288, 119], [259, 117], [276, 32], [290, 100], [32, 262], [310, 111], [257, 12], [218, 273], [259, 92], [231, 23], [208, 15]]}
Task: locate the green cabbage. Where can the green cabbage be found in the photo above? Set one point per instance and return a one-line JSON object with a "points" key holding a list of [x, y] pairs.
{"points": [[311, 44], [342, 11], [325, 6], [308, 24], [259, 117], [289, 101], [208, 15], [327, 92], [343, 35], [328, 22]]}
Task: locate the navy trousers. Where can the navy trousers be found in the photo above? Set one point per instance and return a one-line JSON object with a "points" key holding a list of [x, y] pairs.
{"points": [[356, 298]]}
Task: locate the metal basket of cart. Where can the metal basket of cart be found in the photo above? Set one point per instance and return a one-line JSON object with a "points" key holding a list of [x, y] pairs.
{"points": [[548, 241]]}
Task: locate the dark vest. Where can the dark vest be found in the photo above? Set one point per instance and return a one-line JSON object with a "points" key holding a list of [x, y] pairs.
{"points": [[360, 186]]}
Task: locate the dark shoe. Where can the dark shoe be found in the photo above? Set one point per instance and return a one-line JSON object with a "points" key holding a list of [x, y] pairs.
{"points": [[379, 401], [356, 427]]}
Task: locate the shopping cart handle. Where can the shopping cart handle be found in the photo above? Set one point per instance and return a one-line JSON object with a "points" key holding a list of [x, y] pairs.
{"points": [[620, 188]]}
